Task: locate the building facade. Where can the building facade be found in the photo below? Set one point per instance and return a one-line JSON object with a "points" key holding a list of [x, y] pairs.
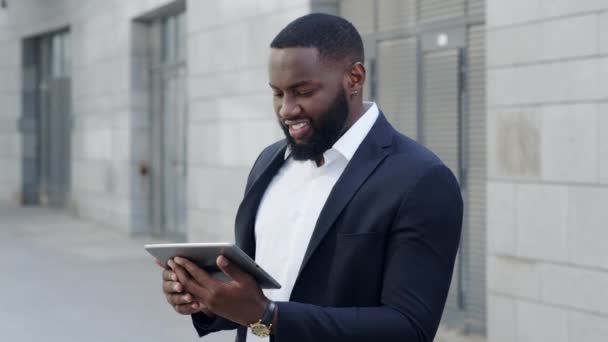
{"points": [[146, 115], [113, 110], [425, 62], [547, 170]]}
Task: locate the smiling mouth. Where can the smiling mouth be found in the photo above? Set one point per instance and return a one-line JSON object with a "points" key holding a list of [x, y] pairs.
{"points": [[298, 129]]}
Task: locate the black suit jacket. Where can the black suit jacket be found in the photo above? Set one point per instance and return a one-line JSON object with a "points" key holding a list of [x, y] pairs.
{"points": [[380, 259]]}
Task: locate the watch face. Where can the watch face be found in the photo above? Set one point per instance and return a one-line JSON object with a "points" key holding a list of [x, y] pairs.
{"points": [[260, 330]]}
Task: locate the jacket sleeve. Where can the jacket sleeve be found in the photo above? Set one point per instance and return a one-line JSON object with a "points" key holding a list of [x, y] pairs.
{"points": [[206, 325], [419, 261]]}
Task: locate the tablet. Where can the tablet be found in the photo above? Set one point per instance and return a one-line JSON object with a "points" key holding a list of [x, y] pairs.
{"points": [[205, 256]]}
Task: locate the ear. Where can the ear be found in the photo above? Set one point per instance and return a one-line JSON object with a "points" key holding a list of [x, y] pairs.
{"points": [[355, 79]]}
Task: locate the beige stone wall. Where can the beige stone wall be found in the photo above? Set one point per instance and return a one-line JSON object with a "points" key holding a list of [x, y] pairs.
{"points": [[548, 168], [230, 118], [230, 103]]}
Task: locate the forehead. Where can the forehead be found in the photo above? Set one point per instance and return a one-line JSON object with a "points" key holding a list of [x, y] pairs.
{"points": [[291, 65]]}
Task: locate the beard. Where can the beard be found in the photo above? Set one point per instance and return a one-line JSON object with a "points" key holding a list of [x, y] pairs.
{"points": [[325, 131]]}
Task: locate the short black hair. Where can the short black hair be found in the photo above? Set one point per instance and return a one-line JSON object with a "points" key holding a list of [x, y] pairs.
{"points": [[335, 38]]}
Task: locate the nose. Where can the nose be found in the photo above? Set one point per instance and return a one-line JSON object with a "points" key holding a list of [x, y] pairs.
{"points": [[289, 108]]}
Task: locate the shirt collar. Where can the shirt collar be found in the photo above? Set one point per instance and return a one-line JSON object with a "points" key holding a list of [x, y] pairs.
{"points": [[349, 142]]}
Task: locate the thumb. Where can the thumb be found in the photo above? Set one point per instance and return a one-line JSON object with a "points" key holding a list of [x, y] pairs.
{"points": [[231, 270]]}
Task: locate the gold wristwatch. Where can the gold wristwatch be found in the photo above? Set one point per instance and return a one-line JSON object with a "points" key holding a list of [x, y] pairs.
{"points": [[262, 327]]}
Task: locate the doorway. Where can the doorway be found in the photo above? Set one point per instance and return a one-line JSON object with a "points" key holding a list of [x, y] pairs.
{"points": [[168, 126], [46, 121]]}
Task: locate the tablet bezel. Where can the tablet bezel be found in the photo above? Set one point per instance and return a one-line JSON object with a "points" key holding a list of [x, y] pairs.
{"points": [[205, 254]]}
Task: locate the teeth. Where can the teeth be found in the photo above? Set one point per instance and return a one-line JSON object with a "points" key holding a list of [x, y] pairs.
{"points": [[295, 122], [299, 125]]}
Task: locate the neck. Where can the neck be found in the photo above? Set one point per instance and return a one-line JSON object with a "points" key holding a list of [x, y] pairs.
{"points": [[356, 111]]}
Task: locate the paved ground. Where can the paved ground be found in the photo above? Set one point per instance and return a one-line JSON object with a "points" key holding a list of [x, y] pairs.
{"points": [[64, 279]]}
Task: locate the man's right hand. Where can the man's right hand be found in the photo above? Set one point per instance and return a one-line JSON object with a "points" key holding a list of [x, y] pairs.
{"points": [[182, 302]]}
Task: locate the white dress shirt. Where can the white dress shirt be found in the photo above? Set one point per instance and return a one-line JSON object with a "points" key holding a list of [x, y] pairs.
{"points": [[291, 205]]}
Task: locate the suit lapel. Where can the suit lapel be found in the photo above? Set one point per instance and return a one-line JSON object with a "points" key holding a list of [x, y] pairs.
{"points": [[245, 218], [369, 155]]}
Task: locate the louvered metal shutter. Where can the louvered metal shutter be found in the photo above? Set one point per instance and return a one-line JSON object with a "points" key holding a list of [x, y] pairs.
{"points": [[397, 84], [477, 7], [441, 106], [476, 177], [434, 10], [367, 86], [370, 72], [452, 113], [396, 14], [360, 13], [441, 125]]}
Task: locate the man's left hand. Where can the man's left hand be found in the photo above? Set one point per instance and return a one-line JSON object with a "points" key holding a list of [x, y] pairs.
{"points": [[240, 300]]}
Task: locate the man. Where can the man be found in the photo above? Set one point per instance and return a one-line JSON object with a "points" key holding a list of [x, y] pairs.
{"points": [[359, 223]]}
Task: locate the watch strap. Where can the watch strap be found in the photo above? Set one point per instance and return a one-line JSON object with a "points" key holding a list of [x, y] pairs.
{"points": [[268, 313]]}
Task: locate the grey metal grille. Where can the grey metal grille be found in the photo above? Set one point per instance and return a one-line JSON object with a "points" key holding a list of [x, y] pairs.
{"points": [[476, 179], [477, 7], [441, 127], [434, 10], [360, 13], [397, 83], [441, 106], [449, 115], [396, 14]]}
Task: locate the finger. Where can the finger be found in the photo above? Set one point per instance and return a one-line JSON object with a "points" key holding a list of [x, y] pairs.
{"points": [[181, 274], [232, 270], [196, 272], [171, 287], [186, 309], [190, 285], [169, 275], [180, 299]]}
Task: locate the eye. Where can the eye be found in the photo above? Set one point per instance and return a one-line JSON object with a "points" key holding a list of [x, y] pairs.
{"points": [[277, 94], [304, 93]]}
